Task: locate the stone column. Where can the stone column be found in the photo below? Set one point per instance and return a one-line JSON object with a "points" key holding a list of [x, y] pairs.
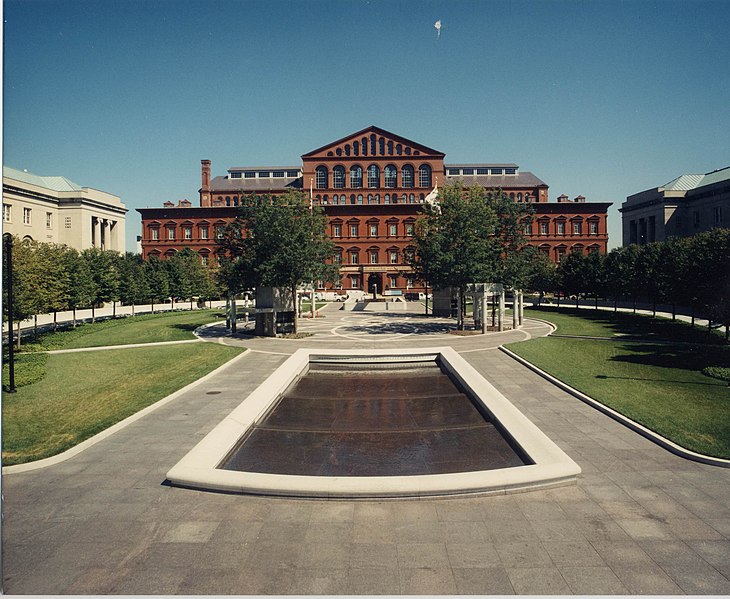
{"points": [[515, 309], [484, 307], [104, 224], [522, 305], [500, 312]]}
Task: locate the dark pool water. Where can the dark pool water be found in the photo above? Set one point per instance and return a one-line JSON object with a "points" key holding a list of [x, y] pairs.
{"points": [[380, 421]]}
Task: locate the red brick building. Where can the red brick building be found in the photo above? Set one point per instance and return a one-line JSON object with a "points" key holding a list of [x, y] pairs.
{"points": [[372, 185]]}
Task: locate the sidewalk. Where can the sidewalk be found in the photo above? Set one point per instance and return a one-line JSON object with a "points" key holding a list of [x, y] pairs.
{"points": [[640, 520]]}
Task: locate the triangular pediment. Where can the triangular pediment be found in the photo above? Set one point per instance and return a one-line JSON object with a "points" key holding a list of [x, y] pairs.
{"points": [[385, 144]]}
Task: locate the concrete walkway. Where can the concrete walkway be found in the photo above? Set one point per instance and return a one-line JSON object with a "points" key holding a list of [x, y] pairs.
{"points": [[639, 521]]}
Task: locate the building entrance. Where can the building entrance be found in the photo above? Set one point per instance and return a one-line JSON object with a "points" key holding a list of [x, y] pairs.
{"points": [[375, 283]]}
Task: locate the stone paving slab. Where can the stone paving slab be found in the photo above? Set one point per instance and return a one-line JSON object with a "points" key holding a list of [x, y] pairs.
{"points": [[639, 520]]}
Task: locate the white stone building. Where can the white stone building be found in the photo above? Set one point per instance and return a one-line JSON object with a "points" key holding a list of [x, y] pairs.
{"points": [[56, 210]]}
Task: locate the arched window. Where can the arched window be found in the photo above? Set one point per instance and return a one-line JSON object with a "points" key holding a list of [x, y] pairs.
{"points": [[390, 148], [321, 174], [519, 197], [325, 199], [338, 177], [338, 151], [406, 176], [390, 176], [373, 139], [512, 196], [355, 176], [347, 149], [408, 151], [411, 199], [228, 200], [377, 198], [335, 199], [421, 198], [352, 198], [356, 148], [359, 198], [381, 146], [373, 176], [364, 146], [398, 149], [370, 198], [424, 176], [387, 198]]}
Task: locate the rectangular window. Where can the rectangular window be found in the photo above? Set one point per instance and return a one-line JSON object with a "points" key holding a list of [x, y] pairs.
{"points": [[577, 228], [496, 171], [373, 257], [528, 229], [717, 215], [292, 173], [543, 228], [393, 281], [560, 228], [188, 232], [6, 213], [170, 233], [454, 171], [482, 171], [67, 222], [338, 257], [278, 174], [467, 171], [373, 230], [410, 229], [204, 260], [559, 254], [593, 227], [26, 216], [354, 281], [393, 257], [49, 220], [235, 174], [393, 230], [204, 232], [510, 171], [155, 233], [336, 230], [249, 174], [353, 230], [264, 174], [354, 258]]}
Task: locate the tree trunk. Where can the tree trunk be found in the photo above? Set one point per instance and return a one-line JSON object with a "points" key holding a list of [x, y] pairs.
{"points": [[653, 309], [693, 315], [576, 301], [153, 307], [634, 304], [74, 317], [596, 304], [93, 314], [615, 303], [191, 302], [709, 324], [35, 326], [55, 323], [558, 299], [674, 311], [132, 308], [18, 344]]}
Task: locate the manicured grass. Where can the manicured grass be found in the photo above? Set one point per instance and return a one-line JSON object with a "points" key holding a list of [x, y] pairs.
{"points": [[657, 384], [145, 328], [84, 393], [604, 323]]}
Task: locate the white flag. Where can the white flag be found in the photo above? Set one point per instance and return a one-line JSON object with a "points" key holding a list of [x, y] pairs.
{"points": [[437, 25]]}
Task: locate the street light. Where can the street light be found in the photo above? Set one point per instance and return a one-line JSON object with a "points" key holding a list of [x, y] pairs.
{"points": [[11, 350]]}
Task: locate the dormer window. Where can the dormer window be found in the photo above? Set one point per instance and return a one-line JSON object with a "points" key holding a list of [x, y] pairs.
{"points": [[264, 174], [235, 174], [278, 174], [292, 173], [510, 171], [482, 171], [467, 171], [454, 171], [497, 171], [249, 174]]}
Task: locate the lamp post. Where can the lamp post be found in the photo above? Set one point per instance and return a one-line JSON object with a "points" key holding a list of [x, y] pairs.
{"points": [[11, 350]]}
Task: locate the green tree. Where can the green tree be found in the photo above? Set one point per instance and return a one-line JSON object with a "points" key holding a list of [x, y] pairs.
{"points": [[456, 242], [156, 275], [82, 288], [279, 242], [133, 287], [542, 275], [103, 268]]}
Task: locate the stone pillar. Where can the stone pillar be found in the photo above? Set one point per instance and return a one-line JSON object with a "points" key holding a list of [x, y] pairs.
{"points": [[515, 309], [500, 312], [103, 235], [522, 306], [484, 307]]}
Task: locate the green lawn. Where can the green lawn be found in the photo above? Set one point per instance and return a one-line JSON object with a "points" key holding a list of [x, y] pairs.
{"points": [[603, 323], [657, 384], [84, 393], [145, 328]]}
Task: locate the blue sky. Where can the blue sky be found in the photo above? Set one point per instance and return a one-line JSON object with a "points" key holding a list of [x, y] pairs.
{"points": [[600, 98]]}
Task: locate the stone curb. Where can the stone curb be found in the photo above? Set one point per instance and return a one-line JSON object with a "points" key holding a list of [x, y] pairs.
{"points": [[632, 424], [76, 449]]}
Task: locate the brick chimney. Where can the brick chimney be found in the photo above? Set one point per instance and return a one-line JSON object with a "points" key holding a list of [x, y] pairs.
{"points": [[205, 186]]}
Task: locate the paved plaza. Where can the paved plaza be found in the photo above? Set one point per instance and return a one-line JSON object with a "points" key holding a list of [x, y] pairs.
{"points": [[640, 520]]}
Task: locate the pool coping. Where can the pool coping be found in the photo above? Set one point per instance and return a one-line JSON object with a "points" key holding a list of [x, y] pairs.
{"points": [[199, 467]]}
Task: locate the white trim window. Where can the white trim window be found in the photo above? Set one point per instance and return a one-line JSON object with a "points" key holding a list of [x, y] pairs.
{"points": [[204, 232], [155, 233], [49, 220], [7, 213], [27, 213], [188, 232]]}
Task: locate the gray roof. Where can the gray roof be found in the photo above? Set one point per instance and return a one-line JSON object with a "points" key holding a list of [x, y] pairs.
{"points": [[481, 165], [224, 184], [523, 179], [52, 183], [688, 182], [264, 168]]}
